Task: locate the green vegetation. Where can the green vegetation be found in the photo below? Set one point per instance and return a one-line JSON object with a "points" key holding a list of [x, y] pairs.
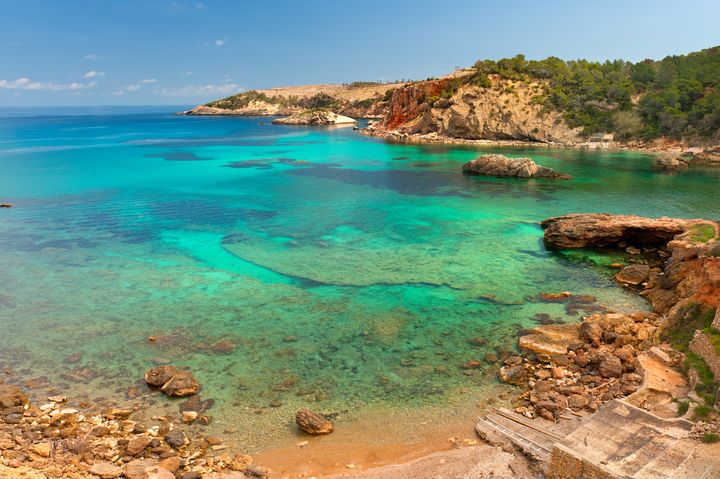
{"points": [[678, 96], [680, 335], [701, 233], [683, 407], [363, 84], [702, 412], [710, 437], [242, 100]]}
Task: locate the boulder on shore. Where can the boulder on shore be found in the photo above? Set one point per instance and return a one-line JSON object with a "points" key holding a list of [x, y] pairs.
{"points": [[500, 165], [315, 117], [313, 423]]}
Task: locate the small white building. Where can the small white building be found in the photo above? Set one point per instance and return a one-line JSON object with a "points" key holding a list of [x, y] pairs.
{"points": [[601, 140]]}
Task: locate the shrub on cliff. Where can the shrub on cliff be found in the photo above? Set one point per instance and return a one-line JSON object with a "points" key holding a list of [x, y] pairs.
{"points": [[679, 96]]}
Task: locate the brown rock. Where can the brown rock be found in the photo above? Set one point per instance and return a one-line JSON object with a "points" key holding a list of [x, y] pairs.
{"points": [[137, 469], [634, 274], [313, 423], [578, 401], [253, 470], [513, 361], [472, 365], [610, 366], [591, 332], [550, 339], [106, 470], [183, 383], [160, 375], [175, 438], [137, 445], [158, 472], [11, 396], [513, 375], [42, 449], [499, 165]]}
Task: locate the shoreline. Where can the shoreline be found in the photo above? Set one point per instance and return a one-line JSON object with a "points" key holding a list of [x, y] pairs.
{"points": [[394, 136], [435, 139]]}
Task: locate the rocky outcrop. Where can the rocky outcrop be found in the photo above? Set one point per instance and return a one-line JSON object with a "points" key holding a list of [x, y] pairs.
{"points": [[606, 230], [710, 157], [315, 118], [504, 111], [580, 366], [499, 165], [690, 276]]}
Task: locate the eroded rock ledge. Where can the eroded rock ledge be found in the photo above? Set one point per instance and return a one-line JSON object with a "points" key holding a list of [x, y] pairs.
{"points": [[607, 230]]}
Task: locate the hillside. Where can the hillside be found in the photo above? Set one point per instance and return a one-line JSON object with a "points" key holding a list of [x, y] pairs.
{"points": [[553, 100], [357, 100], [676, 99]]}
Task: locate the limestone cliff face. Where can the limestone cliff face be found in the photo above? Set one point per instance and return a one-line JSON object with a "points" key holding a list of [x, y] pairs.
{"points": [[505, 111]]}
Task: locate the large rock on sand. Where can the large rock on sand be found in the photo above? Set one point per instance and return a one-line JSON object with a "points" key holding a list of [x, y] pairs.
{"points": [[313, 423], [500, 165]]}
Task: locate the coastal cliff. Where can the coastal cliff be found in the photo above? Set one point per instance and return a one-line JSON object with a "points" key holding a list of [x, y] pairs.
{"points": [[454, 108]]}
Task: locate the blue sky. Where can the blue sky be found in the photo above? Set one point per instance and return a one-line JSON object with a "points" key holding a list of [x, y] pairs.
{"points": [[136, 52]]}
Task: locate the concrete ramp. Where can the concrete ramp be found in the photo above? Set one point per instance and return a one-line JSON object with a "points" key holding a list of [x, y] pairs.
{"points": [[623, 441]]}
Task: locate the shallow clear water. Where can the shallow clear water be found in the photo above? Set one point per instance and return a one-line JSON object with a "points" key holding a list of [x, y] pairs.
{"points": [[287, 265]]}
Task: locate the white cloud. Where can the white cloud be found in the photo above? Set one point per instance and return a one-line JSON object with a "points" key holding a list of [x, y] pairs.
{"points": [[218, 43], [28, 84], [148, 80], [201, 90], [93, 74], [92, 56], [200, 5], [186, 74], [126, 89]]}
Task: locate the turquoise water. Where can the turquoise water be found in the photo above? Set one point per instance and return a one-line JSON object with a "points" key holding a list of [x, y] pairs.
{"points": [[285, 265]]}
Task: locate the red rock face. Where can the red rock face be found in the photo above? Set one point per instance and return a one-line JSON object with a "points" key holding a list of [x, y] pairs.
{"points": [[410, 101]]}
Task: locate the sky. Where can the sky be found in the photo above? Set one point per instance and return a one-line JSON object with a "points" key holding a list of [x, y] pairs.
{"points": [[183, 52]]}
